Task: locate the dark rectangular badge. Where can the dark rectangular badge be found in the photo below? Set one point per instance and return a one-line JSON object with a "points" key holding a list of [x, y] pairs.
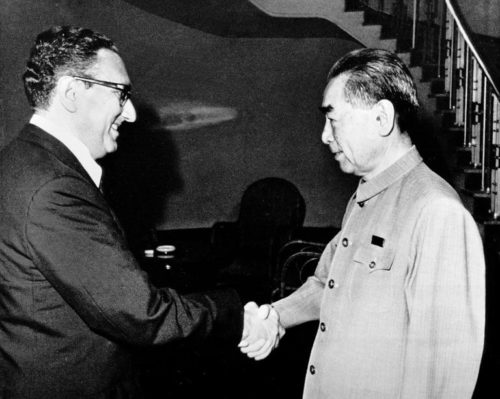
{"points": [[378, 241]]}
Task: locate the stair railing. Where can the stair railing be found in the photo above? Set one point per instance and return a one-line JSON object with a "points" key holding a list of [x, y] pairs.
{"points": [[417, 24], [441, 39], [474, 98]]}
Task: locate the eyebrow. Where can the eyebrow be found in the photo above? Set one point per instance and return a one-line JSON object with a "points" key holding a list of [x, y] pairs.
{"points": [[325, 109]]}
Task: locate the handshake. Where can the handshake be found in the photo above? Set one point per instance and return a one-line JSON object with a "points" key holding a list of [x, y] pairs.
{"points": [[262, 331]]}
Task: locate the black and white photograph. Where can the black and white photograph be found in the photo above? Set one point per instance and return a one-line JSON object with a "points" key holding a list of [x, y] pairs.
{"points": [[249, 199]]}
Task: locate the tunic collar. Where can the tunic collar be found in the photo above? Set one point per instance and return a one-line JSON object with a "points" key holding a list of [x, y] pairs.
{"points": [[370, 188]]}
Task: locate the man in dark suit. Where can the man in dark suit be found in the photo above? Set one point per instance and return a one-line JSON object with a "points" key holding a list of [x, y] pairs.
{"points": [[72, 296]]}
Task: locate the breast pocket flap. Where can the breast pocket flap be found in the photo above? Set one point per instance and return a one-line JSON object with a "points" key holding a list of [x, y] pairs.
{"points": [[374, 258]]}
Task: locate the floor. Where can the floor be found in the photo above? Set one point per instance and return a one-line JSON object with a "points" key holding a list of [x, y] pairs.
{"points": [[212, 369], [217, 371]]}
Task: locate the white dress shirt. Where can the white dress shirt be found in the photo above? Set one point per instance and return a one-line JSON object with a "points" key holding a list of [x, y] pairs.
{"points": [[78, 149]]}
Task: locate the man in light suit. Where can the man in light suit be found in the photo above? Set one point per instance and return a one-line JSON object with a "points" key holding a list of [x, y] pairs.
{"points": [[72, 296], [400, 291]]}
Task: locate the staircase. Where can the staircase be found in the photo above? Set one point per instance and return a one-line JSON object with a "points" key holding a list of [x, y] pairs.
{"points": [[472, 165]]}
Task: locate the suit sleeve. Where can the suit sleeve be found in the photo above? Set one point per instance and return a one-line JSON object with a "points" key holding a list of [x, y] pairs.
{"points": [[79, 248], [446, 305], [304, 304]]}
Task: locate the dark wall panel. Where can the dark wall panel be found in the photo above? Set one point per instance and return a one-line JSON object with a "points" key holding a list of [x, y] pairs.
{"points": [[215, 113]]}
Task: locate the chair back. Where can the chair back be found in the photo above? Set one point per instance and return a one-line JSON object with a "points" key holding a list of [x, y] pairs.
{"points": [[271, 208]]}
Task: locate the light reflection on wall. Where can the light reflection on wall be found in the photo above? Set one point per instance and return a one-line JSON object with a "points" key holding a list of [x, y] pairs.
{"points": [[189, 115]]}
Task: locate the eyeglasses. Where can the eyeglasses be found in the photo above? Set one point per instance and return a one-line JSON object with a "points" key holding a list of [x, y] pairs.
{"points": [[124, 89]]}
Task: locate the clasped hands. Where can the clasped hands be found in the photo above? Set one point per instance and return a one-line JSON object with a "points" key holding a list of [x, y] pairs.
{"points": [[262, 331]]}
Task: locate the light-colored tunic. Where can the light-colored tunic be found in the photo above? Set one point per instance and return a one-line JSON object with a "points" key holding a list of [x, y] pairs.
{"points": [[399, 293]]}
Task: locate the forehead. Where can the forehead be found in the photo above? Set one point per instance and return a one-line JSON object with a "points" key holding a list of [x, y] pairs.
{"points": [[333, 94], [110, 67]]}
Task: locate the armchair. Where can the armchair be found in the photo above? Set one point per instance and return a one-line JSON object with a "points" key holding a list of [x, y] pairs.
{"points": [[296, 261], [271, 209]]}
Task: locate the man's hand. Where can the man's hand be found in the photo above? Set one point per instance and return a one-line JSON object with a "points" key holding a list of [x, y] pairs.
{"points": [[261, 331]]}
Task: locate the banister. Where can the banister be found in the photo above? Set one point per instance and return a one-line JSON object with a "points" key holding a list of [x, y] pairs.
{"points": [[465, 31]]}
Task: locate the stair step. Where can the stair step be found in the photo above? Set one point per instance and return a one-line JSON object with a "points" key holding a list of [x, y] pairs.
{"points": [[354, 5], [354, 18], [374, 32], [448, 117], [387, 44], [495, 224], [464, 157], [406, 58], [477, 203], [455, 137], [456, 129], [369, 35], [468, 179], [430, 71], [442, 100], [437, 85], [416, 73], [386, 21]]}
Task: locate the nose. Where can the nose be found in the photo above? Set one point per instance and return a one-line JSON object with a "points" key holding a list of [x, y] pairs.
{"points": [[129, 113], [327, 135]]}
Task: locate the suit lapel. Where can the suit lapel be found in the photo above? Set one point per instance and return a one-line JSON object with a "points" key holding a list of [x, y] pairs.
{"points": [[35, 135]]}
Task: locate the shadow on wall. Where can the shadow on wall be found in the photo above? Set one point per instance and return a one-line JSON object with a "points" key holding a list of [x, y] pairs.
{"points": [[141, 175]]}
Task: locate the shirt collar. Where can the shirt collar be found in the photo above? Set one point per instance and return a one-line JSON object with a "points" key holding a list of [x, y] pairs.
{"points": [[369, 188], [79, 150]]}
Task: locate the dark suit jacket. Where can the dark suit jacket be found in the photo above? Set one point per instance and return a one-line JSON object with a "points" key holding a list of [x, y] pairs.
{"points": [[72, 296]]}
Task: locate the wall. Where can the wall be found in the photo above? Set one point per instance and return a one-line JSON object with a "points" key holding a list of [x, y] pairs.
{"points": [[482, 16], [192, 178]]}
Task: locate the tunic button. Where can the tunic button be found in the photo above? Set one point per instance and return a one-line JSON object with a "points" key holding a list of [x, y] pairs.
{"points": [[372, 264], [345, 242], [331, 283], [312, 369], [322, 326]]}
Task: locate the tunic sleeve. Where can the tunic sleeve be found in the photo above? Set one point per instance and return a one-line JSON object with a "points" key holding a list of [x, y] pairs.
{"points": [[446, 304]]}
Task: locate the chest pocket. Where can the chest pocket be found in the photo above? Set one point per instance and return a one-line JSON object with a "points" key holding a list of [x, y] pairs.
{"points": [[374, 258], [371, 285]]}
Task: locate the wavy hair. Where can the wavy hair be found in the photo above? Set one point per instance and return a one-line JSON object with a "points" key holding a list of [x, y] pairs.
{"points": [[374, 75], [59, 51]]}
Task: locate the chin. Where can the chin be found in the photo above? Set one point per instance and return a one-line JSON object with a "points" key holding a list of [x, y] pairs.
{"points": [[111, 146], [347, 168]]}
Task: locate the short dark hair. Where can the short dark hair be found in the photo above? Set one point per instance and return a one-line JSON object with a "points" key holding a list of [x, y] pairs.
{"points": [[59, 51], [374, 75]]}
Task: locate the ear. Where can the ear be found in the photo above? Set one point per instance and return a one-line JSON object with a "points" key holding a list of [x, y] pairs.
{"points": [[67, 92], [385, 117]]}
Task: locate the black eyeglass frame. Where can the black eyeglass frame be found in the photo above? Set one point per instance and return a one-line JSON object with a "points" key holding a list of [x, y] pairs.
{"points": [[124, 89]]}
